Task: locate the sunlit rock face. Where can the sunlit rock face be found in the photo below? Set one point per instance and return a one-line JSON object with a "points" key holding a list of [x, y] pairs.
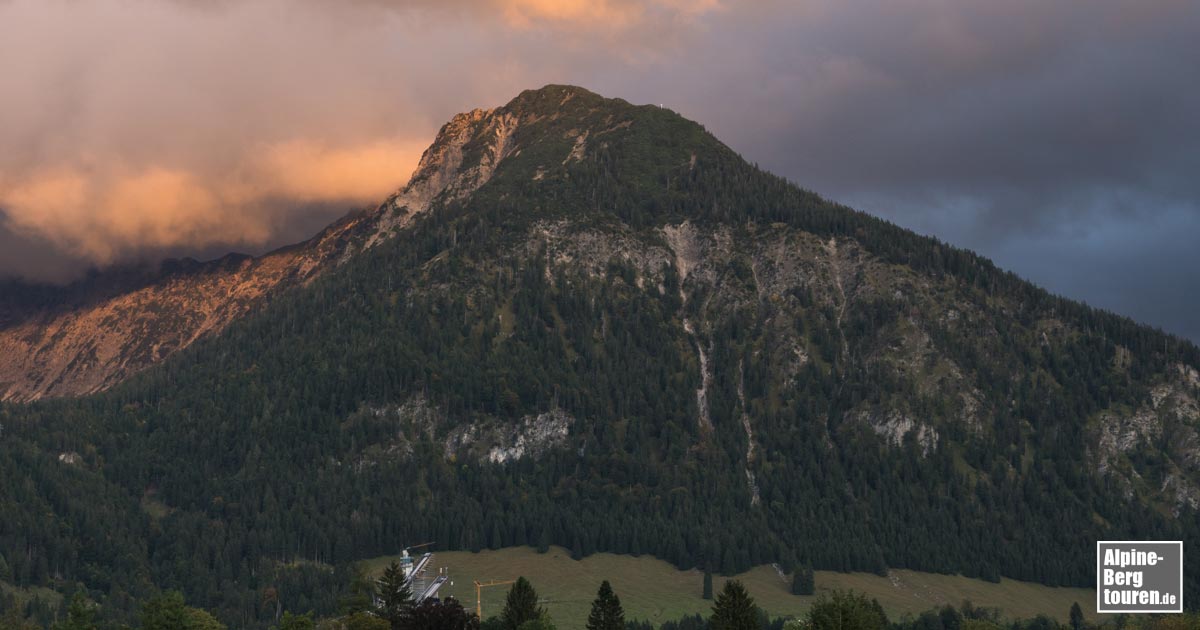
{"points": [[90, 338]]}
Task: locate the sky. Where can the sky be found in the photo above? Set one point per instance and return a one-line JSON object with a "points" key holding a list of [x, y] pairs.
{"points": [[1060, 139]]}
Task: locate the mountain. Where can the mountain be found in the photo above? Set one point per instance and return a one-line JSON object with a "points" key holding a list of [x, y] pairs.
{"points": [[591, 324]]}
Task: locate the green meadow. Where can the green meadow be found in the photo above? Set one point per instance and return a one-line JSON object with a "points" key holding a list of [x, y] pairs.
{"points": [[653, 590]]}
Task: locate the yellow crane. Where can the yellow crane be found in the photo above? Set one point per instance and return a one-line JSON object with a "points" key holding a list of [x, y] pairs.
{"points": [[479, 586]]}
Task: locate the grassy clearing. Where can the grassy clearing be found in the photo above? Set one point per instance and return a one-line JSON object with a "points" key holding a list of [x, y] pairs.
{"points": [[653, 590]]}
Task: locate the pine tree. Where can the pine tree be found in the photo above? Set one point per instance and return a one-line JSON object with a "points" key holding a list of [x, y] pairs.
{"points": [[521, 605], [707, 593], [734, 609], [1076, 617], [395, 598], [607, 613]]}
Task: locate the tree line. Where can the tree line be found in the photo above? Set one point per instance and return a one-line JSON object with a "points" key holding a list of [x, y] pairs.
{"points": [[387, 604]]}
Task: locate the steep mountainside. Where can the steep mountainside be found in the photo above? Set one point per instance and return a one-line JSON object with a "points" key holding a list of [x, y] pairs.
{"points": [[71, 348], [99, 331], [591, 324]]}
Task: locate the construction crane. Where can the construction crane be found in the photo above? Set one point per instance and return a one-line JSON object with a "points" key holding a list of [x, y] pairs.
{"points": [[479, 586]]}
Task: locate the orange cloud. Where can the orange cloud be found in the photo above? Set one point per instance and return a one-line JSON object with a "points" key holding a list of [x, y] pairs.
{"points": [[304, 170], [601, 14], [102, 212], [182, 126]]}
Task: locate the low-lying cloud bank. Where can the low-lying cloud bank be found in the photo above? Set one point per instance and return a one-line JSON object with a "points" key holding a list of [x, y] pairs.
{"points": [[100, 210]]}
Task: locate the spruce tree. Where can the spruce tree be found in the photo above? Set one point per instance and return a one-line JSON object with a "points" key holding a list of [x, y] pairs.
{"points": [[951, 618], [520, 605], [707, 593], [734, 609], [361, 595], [395, 597], [1076, 617], [607, 613], [802, 581]]}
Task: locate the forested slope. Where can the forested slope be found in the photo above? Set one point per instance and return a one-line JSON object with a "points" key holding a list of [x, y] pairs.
{"points": [[616, 335]]}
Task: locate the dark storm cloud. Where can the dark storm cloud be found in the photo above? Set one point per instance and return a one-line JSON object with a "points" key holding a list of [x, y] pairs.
{"points": [[1058, 138]]}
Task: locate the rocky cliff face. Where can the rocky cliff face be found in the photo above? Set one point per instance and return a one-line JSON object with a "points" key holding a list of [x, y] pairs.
{"points": [[1166, 428], [78, 349], [73, 347], [482, 439]]}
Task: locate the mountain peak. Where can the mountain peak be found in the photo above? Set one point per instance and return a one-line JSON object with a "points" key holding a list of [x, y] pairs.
{"points": [[553, 97], [539, 136], [470, 148]]}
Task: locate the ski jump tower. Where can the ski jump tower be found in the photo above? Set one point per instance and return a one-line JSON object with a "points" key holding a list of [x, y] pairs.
{"points": [[416, 574]]}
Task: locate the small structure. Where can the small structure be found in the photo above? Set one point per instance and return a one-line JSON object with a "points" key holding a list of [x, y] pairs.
{"points": [[479, 586], [422, 588]]}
